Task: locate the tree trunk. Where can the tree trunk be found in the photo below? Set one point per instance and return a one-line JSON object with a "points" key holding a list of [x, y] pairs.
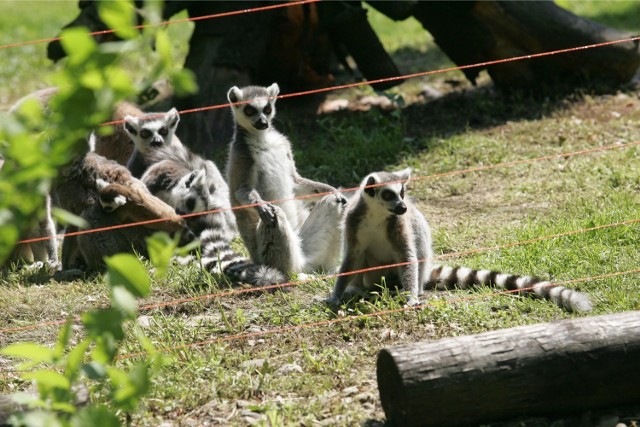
{"points": [[473, 32], [542, 369]]}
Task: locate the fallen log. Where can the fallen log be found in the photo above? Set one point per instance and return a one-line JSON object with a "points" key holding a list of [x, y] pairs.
{"points": [[543, 369]]}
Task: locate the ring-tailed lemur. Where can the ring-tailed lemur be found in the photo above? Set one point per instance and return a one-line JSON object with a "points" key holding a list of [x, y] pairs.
{"points": [[192, 184], [149, 132], [384, 227], [261, 168], [105, 194]]}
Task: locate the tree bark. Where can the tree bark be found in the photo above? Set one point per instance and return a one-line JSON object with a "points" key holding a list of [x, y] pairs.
{"points": [[474, 32], [543, 369]]}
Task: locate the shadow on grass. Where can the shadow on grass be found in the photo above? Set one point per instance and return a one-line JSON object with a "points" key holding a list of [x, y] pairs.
{"points": [[343, 147]]}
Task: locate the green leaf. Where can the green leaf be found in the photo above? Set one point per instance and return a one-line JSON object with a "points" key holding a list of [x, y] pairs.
{"points": [[128, 271], [183, 82], [95, 416], [119, 80], [28, 399], [65, 217], [30, 113], [92, 79], [129, 388], [161, 248], [78, 44], [74, 359], [105, 350], [101, 322], [35, 352], [63, 339], [63, 407], [163, 47], [123, 300], [37, 418], [119, 15], [94, 370], [49, 380]]}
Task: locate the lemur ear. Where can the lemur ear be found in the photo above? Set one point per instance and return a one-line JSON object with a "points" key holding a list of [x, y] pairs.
{"points": [[131, 124], [404, 174], [273, 90], [173, 117], [234, 94], [370, 191]]}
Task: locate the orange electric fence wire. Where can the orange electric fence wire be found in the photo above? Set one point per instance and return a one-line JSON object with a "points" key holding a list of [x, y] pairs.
{"points": [[290, 328], [285, 329], [175, 21], [346, 190], [231, 292]]}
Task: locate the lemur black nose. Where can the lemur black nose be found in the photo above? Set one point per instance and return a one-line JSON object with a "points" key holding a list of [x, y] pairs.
{"points": [[156, 143], [261, 124], [400, 209]]}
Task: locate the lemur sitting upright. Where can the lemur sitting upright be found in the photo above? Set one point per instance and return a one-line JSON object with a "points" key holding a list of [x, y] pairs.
{"points": [[383, 227], [277, 230], [148, 132]]}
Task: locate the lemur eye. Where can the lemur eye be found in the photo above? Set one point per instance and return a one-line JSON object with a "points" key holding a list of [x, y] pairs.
{"points": [[249, 110], [402, 193], [267, 109], [145, 133], [163, 131], [387, 195]]}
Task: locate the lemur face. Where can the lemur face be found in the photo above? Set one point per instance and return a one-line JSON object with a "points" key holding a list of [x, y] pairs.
{"points": [[385, 191], [193, 193], [256, 106], [152, 130]]}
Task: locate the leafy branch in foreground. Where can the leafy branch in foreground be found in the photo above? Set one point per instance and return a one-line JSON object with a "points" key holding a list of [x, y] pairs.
{"points": [[37, 141], [59, 371]]}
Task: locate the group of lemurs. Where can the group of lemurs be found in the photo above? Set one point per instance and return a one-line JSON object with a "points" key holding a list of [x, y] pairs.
{"points": [[289, 224]]}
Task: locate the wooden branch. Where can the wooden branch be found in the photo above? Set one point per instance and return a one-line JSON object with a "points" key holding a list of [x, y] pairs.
{"points": [[542, 369]]}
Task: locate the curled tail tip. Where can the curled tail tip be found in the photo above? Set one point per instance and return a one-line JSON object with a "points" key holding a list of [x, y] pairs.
{"points": [[266, 276], [580, 303]]}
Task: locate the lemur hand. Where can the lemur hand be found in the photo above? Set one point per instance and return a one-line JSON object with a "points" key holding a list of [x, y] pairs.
{"points": [[267, 213]]}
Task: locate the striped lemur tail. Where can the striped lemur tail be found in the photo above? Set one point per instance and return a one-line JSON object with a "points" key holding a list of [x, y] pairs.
{"points": [[445, 277], [217, 255]]}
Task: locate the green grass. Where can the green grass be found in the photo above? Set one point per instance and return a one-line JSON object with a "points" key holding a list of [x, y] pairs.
{"points": [[325, 375], [622, 15]]}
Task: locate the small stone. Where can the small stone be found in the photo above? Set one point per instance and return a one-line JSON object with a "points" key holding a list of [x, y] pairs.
{"points": [[253, 364], [388, 334], [350, 390], [429, 92], [289, 368], [144, 321]]}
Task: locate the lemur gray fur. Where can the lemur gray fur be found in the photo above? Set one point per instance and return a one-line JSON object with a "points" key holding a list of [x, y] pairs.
{"points": [[149, 132], [104, 193], [117, 146], [384, 227], [193, 185], [260, 169]]}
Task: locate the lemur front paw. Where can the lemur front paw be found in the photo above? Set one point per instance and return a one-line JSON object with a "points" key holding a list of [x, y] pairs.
{"points": [[267, 213]]}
